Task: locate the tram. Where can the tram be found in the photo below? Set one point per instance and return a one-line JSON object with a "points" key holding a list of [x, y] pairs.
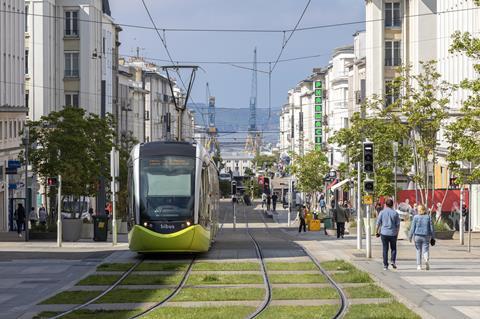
{"points": [[173, 197]]}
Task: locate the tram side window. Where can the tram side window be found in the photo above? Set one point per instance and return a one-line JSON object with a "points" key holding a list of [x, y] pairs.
{"points": [[204, 205]]}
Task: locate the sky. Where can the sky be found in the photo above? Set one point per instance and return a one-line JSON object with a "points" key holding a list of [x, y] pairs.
{"points": [[232, 86]]}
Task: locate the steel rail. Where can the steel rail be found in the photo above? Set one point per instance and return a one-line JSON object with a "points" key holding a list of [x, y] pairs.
{"points": [[113, 286]]}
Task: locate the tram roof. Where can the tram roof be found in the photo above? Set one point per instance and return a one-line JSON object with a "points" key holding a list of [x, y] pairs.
{"points": [[167, 148]]}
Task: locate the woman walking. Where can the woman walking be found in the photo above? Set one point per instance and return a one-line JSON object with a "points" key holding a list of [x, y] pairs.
{"points": [[423, 233]]}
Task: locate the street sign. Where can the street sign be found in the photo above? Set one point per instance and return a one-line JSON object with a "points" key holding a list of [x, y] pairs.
{"points": [[13, 164], [10, 171], [368, 200]]}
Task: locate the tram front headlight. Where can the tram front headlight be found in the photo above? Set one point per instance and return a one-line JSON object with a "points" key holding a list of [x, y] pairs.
{"points": [[145, 224], [188, 223]]}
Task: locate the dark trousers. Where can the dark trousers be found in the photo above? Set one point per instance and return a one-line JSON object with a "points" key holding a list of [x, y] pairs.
{"points": [[274, 205], [268, 206], [302, 225], [340, 229], [386, 242], [20, 225]]}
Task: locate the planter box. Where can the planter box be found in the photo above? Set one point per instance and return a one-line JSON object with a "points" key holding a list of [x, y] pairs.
{"points": [[71, 229], [446, 234], [87, 231]]}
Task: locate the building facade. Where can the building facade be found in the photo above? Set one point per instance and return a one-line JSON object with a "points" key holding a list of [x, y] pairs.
{"points": [[13, 109], [237, 162]]}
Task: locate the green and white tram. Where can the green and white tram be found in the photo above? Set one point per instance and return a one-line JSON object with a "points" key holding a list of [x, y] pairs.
{"points": [[173, 198]]}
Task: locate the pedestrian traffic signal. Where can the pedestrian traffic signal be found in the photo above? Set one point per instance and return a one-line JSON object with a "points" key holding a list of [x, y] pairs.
{"points": [[234, 187], [368, 157], [52, 181], [369, 186]]}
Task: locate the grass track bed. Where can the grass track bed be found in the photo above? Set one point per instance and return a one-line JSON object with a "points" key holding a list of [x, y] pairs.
{"points": [[235, 312], [299, 312], [98, 280], [296, 279], [393, 310], [166, 266], [220, 294], [87, 314], [369, 291], [291, 266], [337, 265], [131, 295], [297, 293], [219, 279], [354, 276], [241, 266], [152, 280], [71, 298], [114, 267]]}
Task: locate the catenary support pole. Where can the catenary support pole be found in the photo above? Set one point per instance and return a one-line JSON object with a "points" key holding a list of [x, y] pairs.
{"points": [[461, 223], [59, 213], [368, 235], [469, 214], [359, 206], [234, 212]]}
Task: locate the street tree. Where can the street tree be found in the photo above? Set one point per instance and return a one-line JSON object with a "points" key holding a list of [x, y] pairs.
{"points": [[126, 143], [264, 161], [463, 134], [75, 145]]}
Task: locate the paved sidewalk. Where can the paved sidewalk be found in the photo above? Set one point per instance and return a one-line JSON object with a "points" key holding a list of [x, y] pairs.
{"points": [[451, 289]]}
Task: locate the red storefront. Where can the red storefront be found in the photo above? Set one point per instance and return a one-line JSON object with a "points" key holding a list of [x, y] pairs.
{"points": [[450, 198]]}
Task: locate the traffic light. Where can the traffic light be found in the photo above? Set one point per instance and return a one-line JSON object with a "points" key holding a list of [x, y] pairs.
{"points": [[368, 157], [52, 181], [234, 187], [369, 186]]}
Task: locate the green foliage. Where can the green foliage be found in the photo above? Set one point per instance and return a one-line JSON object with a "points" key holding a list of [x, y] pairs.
{"points": [[249, 172], [72, 144], [264, 161], [127, 142], [440, 225], [310, 171], [225, 188], [252, 187], [464, 133]]}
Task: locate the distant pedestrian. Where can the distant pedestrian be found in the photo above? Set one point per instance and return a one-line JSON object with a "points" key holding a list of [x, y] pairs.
{"points": [[302, 213], [388, 225], [378, 208], [323, 204], [423, 233], [340, 217], [269, 201], [91, 212], [465, 217], [274, 201], [20, 217], [264, 199], [33, 217], [42, 215]]}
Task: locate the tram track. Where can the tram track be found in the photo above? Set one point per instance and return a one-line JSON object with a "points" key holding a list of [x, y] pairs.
{"points": [[343, 297]]}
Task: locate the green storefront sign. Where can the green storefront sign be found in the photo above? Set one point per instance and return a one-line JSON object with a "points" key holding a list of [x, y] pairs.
{"points": [[318, 114]]}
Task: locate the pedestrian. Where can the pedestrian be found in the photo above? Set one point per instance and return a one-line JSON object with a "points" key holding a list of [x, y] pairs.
{"points": [[423, 233], [33, 217], [465, 217], [91, 212], [264, 199], [340, 217], [269, 201], [301, 216], [388, 225], [42, 215], [378, 208], [274, 201], [20, 217], [323, 204]]}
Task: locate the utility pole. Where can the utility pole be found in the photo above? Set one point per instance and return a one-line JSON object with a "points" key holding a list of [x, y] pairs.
{"points": [[395, 156], [26, 141], [114, 170], [359, 205], [461, 225], [368, 235], [59, 213]]}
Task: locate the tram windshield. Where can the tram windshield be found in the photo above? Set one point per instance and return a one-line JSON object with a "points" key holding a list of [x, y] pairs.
{"points": [[166, 188]]}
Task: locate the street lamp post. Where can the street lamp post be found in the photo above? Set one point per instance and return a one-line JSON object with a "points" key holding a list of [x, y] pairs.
{"points": [[25, 142], [395, 156]]}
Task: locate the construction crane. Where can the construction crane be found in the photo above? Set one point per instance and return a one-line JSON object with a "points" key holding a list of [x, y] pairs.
{"points": [[211, 129], [253, 138]]}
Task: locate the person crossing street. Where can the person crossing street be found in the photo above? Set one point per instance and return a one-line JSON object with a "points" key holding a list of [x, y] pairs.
{"points": [[340, 217], [388, 225]]}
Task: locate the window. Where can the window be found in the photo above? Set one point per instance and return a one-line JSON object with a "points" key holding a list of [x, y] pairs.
{"points": [[10, 133], [71, 99], [26, 18], [27, 98], [71, 23], [103, 45], [71, 65], [15, 132], [1, 131], [392, 53], [26, 61], [392, 14], [392, 93]]}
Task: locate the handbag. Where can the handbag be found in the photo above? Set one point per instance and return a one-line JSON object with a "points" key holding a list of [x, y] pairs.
{"points": [[432, 242]]}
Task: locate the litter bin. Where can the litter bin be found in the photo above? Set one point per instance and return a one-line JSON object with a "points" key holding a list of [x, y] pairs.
{"points": [[100, 228], [327, 223]]}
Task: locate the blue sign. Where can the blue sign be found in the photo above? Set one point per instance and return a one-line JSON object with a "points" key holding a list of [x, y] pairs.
{"points": [[14, 164], [12, 186]]}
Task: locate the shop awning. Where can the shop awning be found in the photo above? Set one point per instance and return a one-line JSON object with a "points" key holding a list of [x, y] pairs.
{"points": [[340, 184]]}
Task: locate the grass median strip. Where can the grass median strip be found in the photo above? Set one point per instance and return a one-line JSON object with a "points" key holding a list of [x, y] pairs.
{"points": [[132, 295], [299, 312], [353, 276], [230, 312], [337, 265], [297, 293], [393, 310], [98, 280], [71, 298], [220, 279], [296, 278], [291, 266], [217, 266], [369, 291], [114, 267], [88, 314], [166, 266], [220, 294], [152, 280]]}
